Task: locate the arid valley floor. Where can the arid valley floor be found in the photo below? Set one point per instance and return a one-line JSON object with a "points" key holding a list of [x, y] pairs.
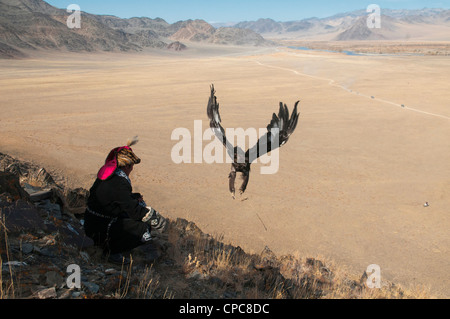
{"points": [[371, 147]]}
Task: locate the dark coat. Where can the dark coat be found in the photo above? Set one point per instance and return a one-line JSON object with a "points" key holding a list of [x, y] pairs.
{"points": [[116, 223]]}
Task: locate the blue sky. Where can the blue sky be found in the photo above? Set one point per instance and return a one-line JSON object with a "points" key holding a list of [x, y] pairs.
{"points": [[237, 10]]}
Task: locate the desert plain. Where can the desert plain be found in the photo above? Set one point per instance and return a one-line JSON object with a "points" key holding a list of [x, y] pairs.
{"points": [[371, 147]]}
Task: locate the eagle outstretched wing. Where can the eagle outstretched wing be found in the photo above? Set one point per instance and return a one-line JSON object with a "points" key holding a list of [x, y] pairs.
{"points": [[215, 120], [279, 130]]}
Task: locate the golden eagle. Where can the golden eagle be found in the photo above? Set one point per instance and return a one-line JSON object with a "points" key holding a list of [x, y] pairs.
{"points": [[279, 130]]}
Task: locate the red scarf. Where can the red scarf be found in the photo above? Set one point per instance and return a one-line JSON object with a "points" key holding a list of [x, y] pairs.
{"points": [[110, 164]]}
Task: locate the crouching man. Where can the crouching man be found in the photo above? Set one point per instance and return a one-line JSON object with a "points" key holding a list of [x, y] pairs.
{"points": [[117, 219]]}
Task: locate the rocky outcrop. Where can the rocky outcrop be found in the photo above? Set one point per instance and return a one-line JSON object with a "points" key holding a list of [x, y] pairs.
{"points": [[9, 183], [177, 46]]}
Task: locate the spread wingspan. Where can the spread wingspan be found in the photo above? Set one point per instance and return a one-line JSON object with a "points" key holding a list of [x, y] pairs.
{"points": [[279, 130]]}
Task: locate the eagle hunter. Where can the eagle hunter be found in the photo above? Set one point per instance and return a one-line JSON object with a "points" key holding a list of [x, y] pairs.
{"points": [[279, 130]]}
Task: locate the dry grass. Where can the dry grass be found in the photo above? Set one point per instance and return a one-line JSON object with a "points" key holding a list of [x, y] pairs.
{"points": [[204, 267], [222, 267], [140, 285], [7, 290]]}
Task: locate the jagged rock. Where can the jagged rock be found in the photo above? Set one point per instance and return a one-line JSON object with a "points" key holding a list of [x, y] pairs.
{"points": [[40, 178], [176, 46], [49, 293], [48, 252], [76, 294], [53, 279], [9, 183], [110, 271], [14, 264], [65, 293], [51, 208], [22, 216], [27, 248], [76, 200], [40, 195], [93, 288]]}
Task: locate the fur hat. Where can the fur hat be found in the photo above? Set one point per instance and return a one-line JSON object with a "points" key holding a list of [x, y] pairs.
{"points": [[126, 157], [119, 157]]}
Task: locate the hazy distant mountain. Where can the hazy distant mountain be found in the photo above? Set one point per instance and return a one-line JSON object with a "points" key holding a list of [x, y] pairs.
{"points": [[426, 24], [261, 26], [396, 25], [237, 36], [201, 31], [360, 31], [34, 24]]}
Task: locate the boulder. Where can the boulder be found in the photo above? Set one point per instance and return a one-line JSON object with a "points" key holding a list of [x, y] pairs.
{"points": [[21, 216], [10, 184], [176, 46]]}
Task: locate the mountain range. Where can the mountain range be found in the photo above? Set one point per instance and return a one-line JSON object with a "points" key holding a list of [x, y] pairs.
{"points": [[424, 24], [32, 25]]}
